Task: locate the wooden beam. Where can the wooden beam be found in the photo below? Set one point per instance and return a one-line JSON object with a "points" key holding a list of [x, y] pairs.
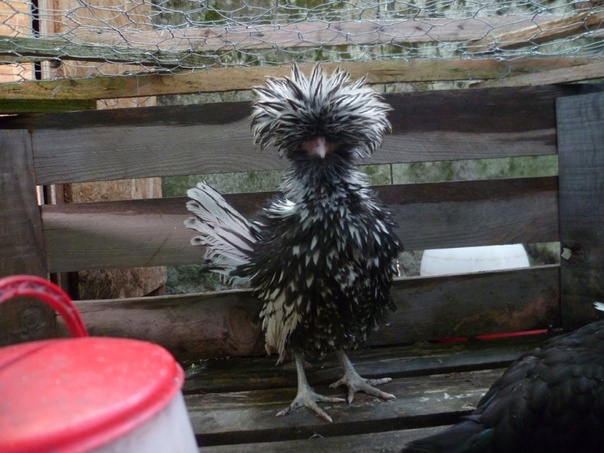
{"points": [[545, 29], [21, 240], [213, 80], [248, 417], [196, 47], [582, 73], [581, 160], [45, 105], [426, 126], [226, 324], [396, 361], [151, 232], [388, 442]]}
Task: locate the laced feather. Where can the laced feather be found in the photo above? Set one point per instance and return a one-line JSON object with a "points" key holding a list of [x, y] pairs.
{"points": [[309, 243], [288, 109], [226, 234]]}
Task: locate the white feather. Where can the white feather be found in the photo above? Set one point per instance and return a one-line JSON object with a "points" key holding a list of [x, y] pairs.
{"points": [[225, 233]]}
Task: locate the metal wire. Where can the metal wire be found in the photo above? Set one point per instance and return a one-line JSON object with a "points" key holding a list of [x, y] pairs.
{"points": [[86, 38]]}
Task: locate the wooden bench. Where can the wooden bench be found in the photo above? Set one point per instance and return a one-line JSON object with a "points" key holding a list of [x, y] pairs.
{"points": [[233, 391]]}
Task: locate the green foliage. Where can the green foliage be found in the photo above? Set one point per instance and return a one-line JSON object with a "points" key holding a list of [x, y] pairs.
{"points": [[192, 278]]}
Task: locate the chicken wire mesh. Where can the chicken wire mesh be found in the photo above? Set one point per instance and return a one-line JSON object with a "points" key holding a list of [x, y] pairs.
{"points": [[82, 38]]}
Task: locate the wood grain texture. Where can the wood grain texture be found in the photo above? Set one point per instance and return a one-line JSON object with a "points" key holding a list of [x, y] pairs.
{"points": [[198, 139], [380, 442], [124, 234], [547, 30], [233, 403], [45, 105], [594, 70], [21, 240], [214, 80], [226, 324], [187, 47], [249, 416], [257, 373], [581, 160]]}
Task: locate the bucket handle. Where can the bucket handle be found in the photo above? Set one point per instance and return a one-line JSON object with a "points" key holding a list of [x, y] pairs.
{"points": [[48, 292]]}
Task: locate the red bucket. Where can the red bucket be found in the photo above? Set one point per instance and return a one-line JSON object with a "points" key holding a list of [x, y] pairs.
{"points": [[88, 394]]}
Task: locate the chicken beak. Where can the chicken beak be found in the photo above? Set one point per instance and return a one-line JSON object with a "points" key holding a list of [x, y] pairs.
{"points": [[316, 147]]}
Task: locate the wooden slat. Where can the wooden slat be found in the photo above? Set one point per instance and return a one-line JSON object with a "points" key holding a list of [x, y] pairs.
{"points": [[45, 105], [164, 141], [546, 29], [21, 240], [582, 73], [226, 324], [214, 80], [249, 416], [257, 373], [188, 47], [381, 442], [233, 402], [581, 160], [151, 232]]}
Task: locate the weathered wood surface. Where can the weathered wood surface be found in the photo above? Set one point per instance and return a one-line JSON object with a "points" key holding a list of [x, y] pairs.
{"points": [[226, 324], [249, 416], [529, 34], [187, 47], [198, 139], [151, 232], [590, 71], [21, 240], [581, 161], [231, 406], [214, 80], [379, 442], [425, 358], [45, 105]]}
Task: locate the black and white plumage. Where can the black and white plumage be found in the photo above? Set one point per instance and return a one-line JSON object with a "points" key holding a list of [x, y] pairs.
{"points": [[322, 254], [549, 400]]}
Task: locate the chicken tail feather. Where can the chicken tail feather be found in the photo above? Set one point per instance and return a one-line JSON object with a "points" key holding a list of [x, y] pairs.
{"points": [[227, 236]]}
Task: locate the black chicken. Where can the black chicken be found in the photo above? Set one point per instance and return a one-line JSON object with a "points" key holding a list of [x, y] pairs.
{"points": [[322, 254], [549, 400]]}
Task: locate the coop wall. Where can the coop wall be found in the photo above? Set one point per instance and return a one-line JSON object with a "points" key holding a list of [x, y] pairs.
{"points": [[447, 125]]}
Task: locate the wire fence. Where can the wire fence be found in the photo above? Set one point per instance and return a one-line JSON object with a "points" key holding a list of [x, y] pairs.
{"points": [[83, 38]]}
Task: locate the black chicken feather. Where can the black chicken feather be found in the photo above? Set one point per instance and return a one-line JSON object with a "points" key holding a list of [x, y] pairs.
{"points": [[321, 255], [549, 400]]}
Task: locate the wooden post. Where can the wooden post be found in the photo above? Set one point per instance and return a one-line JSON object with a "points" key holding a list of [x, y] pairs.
{"points": [[104, 283], [21, 241], [581, 159]]}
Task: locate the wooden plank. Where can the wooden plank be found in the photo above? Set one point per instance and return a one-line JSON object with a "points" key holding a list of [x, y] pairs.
{"points": [[581, 160], [226, 324], [150, 232], [21, 240], [188, 47], [386, 442], [548, 29], [45, 105], [257, 373], [214, 80], [428, 126], [381, 442], [434, 384], [249, 416], [506, 301], [559, 75]]}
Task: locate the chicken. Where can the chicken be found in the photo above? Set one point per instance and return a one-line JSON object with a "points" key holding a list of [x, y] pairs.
{"points": [[549, 400], [322, 254]]}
